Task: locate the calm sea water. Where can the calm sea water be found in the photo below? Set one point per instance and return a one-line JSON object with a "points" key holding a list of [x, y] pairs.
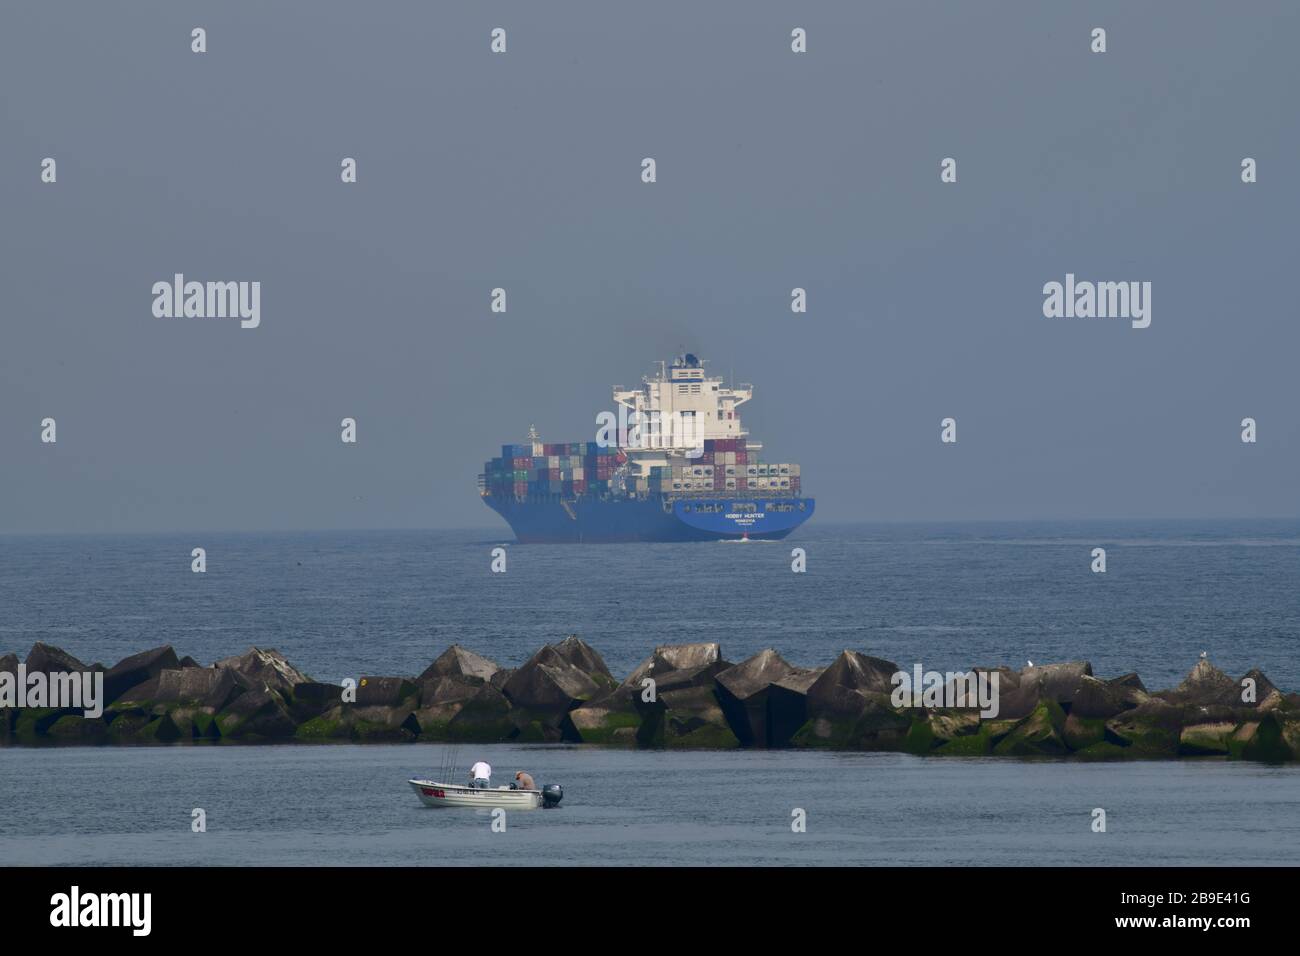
{"points": [[325, 805], [346, 604]]}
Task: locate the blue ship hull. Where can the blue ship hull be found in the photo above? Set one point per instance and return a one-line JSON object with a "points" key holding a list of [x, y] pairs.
{"points": [[552, 520]]}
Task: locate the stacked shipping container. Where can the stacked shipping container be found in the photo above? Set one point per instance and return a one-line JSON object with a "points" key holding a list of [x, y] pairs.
{"points": [[574, 470], [570, 470]]}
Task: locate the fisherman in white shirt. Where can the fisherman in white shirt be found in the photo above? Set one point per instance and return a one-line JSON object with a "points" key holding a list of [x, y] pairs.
{"points": [[480, 775]]}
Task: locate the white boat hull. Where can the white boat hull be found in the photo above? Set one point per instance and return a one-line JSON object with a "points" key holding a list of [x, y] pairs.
{"points": [[434, 794]]}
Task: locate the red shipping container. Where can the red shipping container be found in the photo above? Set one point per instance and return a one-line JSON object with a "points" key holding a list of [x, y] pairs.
{"points": [[579, 486], [553, 474], [521, 489], [741, 458], [742, 484]]}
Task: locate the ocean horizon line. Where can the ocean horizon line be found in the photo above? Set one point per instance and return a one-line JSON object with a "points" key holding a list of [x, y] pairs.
{"points": [[489, 528]]}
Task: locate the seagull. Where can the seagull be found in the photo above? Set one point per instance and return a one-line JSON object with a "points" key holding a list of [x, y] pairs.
{"points": [[1029, 662], [1204, 655]]}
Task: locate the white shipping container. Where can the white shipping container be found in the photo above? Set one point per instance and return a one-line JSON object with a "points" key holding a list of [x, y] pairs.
{"points": [[751, 471], [794, 471]]}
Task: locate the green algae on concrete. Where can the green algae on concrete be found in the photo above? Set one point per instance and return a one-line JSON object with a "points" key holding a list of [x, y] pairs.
{"points": [[1081, 733], [920, 737], [978, 744], [1266, 744], [1037, 735], [73, 728], [1105, 750]]}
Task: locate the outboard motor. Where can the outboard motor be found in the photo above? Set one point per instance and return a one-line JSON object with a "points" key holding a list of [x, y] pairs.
{"points": [[552, 794]]}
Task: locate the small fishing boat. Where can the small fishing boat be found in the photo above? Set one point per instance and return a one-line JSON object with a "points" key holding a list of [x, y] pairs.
{"points": [[434, 794]]}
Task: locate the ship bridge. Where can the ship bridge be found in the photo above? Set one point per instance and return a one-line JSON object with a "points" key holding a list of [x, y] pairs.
{"points": [[682, 406]]}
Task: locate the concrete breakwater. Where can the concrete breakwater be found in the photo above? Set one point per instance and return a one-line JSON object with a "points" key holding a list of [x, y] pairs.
{"points": [[681, 696]]}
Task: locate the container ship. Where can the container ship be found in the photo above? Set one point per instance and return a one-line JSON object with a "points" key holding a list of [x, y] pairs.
{"points": [[673, 464]]}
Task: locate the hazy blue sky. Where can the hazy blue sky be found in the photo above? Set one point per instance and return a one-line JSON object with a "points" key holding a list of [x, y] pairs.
{"points": [[775, 170]]}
